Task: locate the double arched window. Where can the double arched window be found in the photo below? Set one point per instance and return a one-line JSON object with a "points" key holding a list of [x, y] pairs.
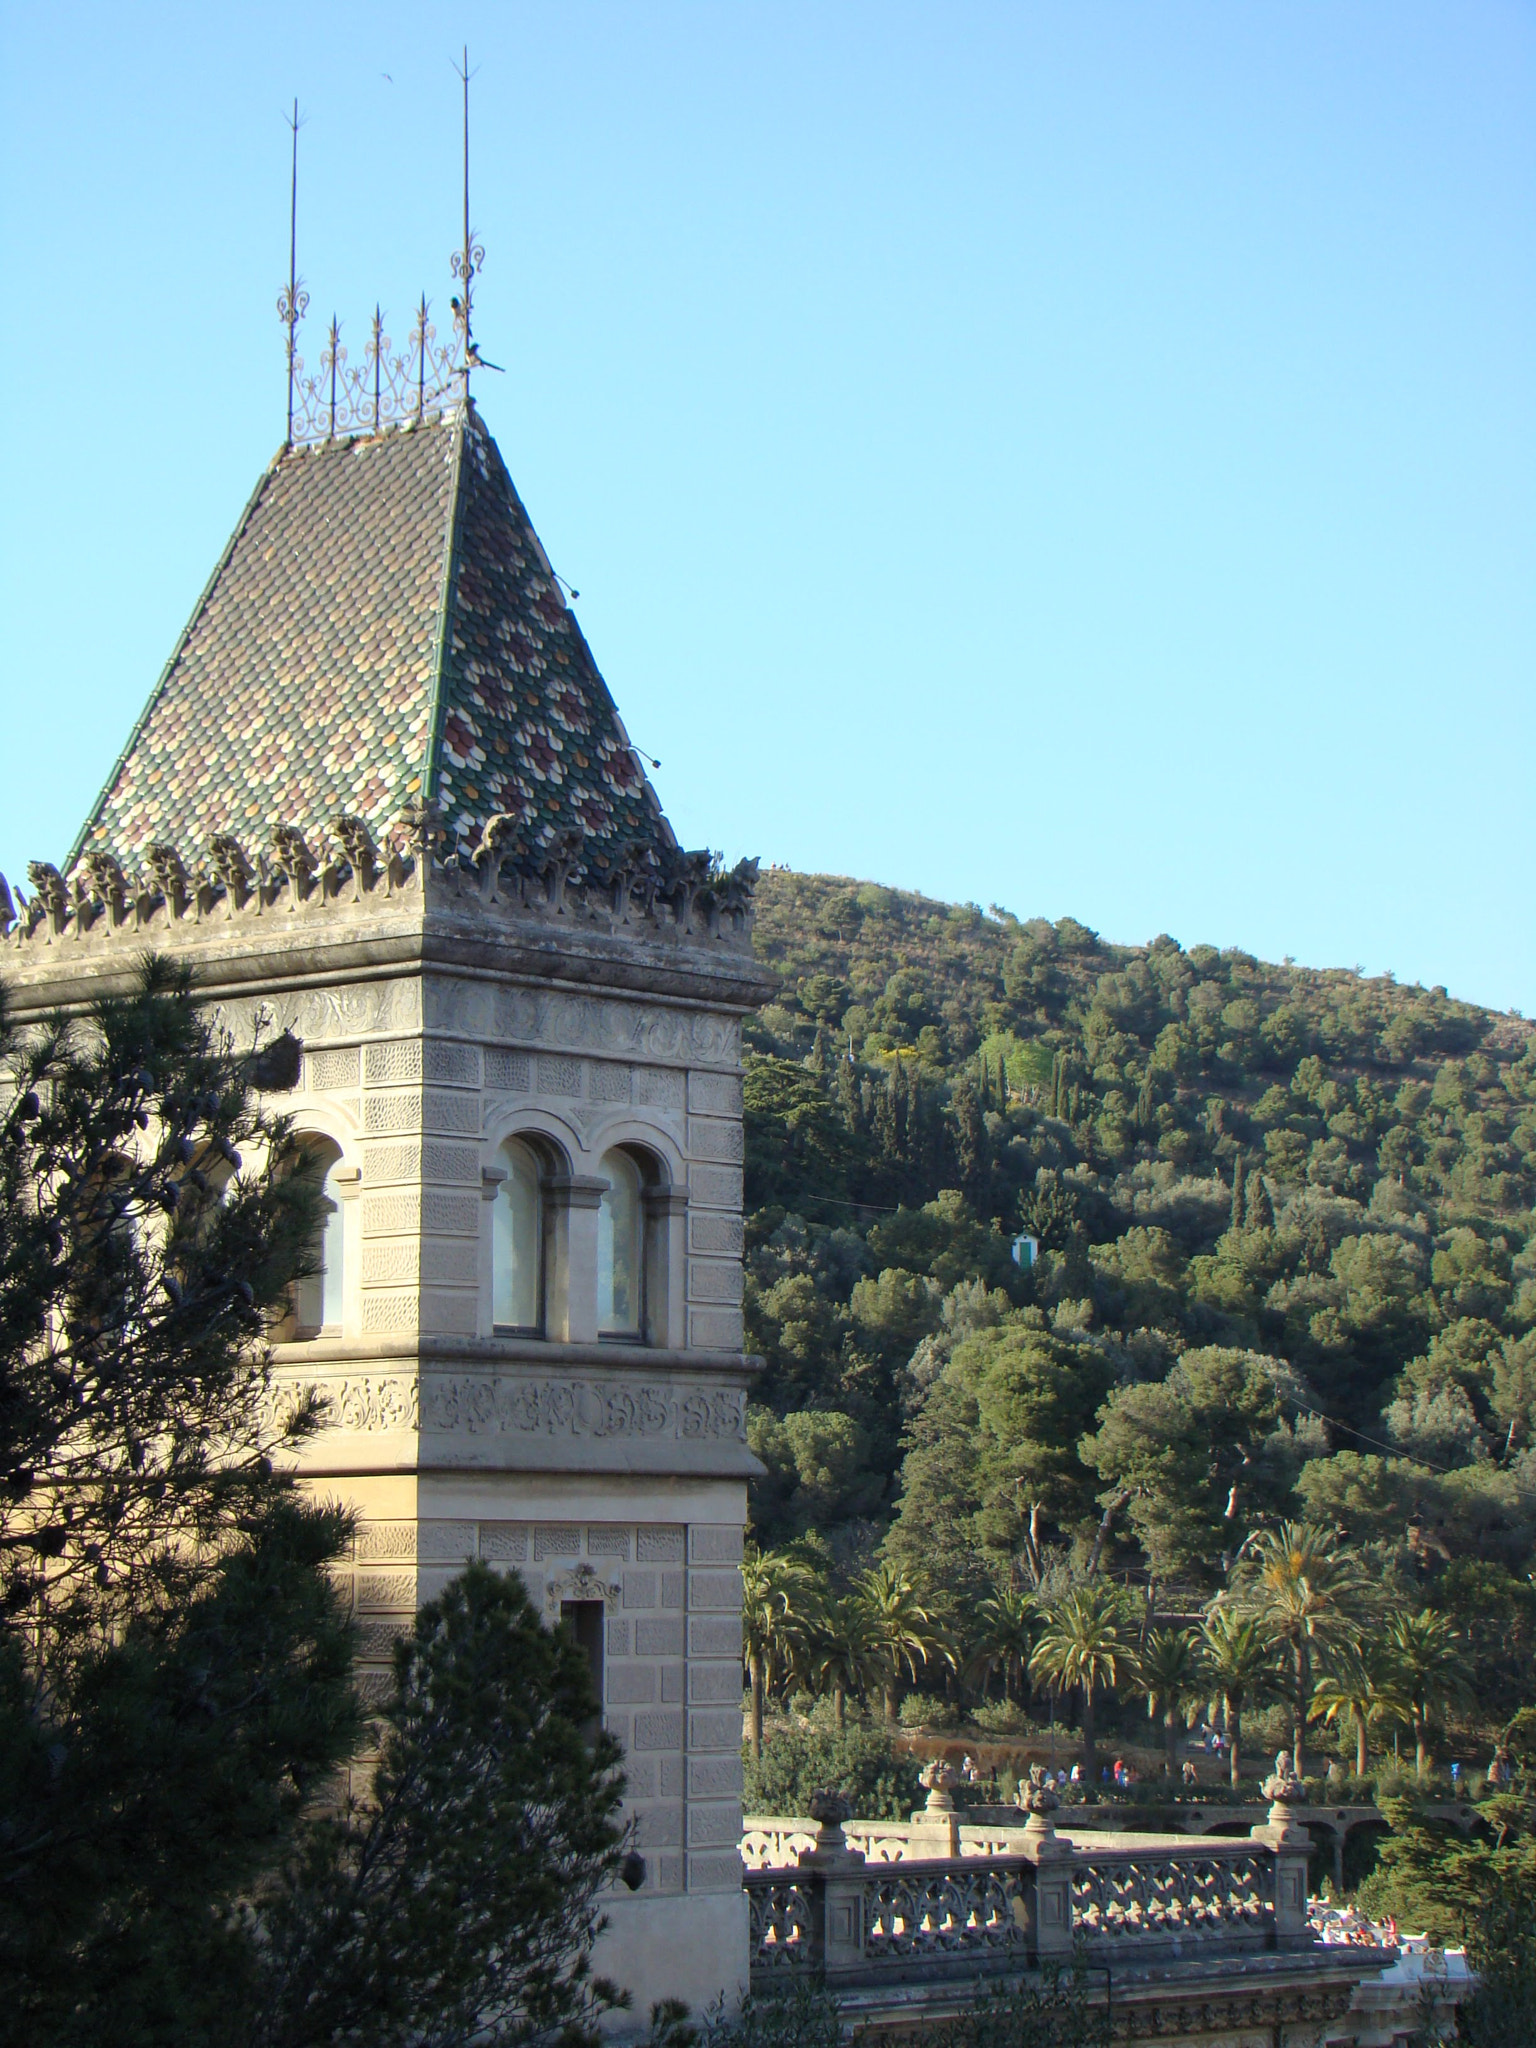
{"points": [[534, 1214], [317, 1299]]}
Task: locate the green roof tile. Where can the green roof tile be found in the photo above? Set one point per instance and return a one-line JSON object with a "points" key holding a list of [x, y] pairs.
{"points": [[383, 622]]}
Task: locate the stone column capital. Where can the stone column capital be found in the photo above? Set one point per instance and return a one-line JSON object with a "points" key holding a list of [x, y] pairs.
{"points": [[574, 1190]]}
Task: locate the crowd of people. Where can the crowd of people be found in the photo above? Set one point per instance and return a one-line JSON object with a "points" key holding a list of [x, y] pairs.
{"points": [[1343, 1926]]}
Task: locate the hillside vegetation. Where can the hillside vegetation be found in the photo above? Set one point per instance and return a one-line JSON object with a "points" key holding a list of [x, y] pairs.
{"points": [[1284, 1268]]}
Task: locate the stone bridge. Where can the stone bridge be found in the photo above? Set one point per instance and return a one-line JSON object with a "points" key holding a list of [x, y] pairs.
{"points": [[1202, 1945]]}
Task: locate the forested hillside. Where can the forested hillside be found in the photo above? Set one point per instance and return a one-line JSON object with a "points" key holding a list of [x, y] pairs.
{"points": [[1285, 1264]]}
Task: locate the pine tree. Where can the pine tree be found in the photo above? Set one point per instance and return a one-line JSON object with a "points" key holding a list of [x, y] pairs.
{"points": [[175, 1663], [1237, 1192], [459, 1900]]}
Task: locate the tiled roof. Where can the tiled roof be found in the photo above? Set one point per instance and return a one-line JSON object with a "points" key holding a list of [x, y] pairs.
{"points": [[319, 673]]}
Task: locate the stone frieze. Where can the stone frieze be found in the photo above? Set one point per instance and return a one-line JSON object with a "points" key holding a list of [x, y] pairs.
{"points": [[522, 1405]]}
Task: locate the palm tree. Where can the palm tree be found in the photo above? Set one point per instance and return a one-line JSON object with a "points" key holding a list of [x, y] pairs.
{"points": [[1360, 1684], [843, 1653], [1239, 1661], [1430, 1668], [1003, 1636], [1303, 1589], [905, 1631], [1082, 1646], [1167, 1670], [777, 1594]]}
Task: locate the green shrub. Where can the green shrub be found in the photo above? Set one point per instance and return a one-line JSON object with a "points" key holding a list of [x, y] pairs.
{"points": [[1267, 1729], [927, 1710], [862, 1763], [1001, 1717]]}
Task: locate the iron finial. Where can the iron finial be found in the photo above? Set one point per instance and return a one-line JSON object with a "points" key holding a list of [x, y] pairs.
{"points": [[378, 344], [294, 301], [384, 389], [468, 259], [334, 361]]}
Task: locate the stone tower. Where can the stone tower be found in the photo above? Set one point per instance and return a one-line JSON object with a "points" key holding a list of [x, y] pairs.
{"points": [[381, 796]]}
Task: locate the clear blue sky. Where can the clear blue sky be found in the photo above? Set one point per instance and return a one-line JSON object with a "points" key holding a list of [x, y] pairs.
{"points": [[1074, 456]]}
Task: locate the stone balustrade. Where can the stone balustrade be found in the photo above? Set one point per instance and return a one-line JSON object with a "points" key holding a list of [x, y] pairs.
{"points": [[863, 1902]]}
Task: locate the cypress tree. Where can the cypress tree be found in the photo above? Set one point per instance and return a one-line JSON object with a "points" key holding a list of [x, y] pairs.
{"points": [[887, 1136], [1144, 1104], [1237, 1192], [845, 1090], [1261, 1210], [919, 1134], [970, 1138]]}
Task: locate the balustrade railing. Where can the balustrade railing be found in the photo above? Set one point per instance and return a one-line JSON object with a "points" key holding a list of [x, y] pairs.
{"points": [[1133, 1896], [865, 1901]]}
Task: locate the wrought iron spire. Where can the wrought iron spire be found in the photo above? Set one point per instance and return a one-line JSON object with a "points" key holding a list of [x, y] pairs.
{"points": [[467, 260], [384, 390], [292, 302]]}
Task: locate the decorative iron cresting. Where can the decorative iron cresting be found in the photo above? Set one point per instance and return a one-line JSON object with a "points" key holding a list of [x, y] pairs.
{"points": [[388, 388]]}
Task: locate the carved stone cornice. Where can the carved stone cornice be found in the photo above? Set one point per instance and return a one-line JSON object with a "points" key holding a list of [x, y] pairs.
{"points": [[279, 922], [320, 1353]]}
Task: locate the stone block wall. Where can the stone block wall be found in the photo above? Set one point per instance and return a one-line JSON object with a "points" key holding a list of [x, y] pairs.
{"points": [[423, 1116], [671, 1666]]}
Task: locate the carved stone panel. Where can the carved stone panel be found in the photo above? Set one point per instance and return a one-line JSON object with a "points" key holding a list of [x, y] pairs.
{"points": [[575, 1023], [364, 1009], [331, 1069], [515, 1405]]}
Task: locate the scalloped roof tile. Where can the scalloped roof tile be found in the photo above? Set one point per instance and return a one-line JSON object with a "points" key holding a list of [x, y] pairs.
{"points": [[383, 626]]}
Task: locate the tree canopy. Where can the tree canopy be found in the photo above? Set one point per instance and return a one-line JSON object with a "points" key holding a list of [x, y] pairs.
{"points": [[1275, 1260]]}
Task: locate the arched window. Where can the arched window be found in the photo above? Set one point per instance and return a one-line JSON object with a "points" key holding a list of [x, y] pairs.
{"points": [[620, 1248], [517, 1242], [317, 1301]]}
